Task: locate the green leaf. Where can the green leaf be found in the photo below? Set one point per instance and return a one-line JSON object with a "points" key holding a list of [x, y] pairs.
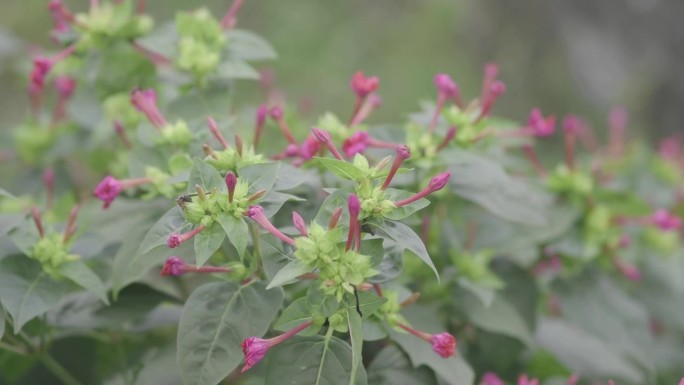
{"points": [[237, 231], [373, 248], [405, 211], [485, 182], [368, 303], [213, 326], [392, 367], [236, 69], [205, 175], [500, 317], [207, 242], [171, 222], [248, 46], [407, 239], [315, 360], [341, 168], [26, 291], [338, 198], [81, 275], [484, 294], [583, 353], [391, 264], [162, 40], [2, 322], [356, 339], [260, 176], [297, 313], [319, 303], [288, 273], [454, 370]]}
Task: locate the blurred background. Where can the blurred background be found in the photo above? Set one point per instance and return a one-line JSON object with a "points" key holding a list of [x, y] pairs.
{"points": [[580, 56]]}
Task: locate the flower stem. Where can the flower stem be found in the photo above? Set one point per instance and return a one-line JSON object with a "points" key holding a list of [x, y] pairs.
{"points": [[58, 370]]}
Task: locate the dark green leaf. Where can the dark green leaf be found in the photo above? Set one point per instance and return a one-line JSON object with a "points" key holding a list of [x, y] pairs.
{"points": [[248, 46], [392, 367], [340, 168], [453, 370], [213, 327], [207, 242], [260, 176], [407, 239], [294, 315], [206, 176], [237, 231], [26, 291], [288, 273], [81, 275], [312, 361], [500, 317]]}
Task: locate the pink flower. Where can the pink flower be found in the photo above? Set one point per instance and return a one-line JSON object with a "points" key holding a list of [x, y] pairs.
{"points": [[145, 101], [325, 139], [173, 266], [276, 112], [670, 148], [571, 124], [65, 86], [666, 221], [524, 380], [445, 85], [41, 67], [362, 85], [495, 90], [354, 207], [355, 144], [436, 183], [403, 153], [309, 147], [174, 240], [299, 224], [490, 378], [255, 348], [108, 189], [256, 213], [443, 344], [539, 125]]}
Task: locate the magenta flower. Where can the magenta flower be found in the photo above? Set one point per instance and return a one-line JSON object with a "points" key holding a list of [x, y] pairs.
{"points": [[443, 344], [403, 153], [355, 144], [309, 147], [261, 114], [173, 266], [436, 183], [666, 221], [145, 101], [213, 127], [255, 348], [299, 224], [174, 240], [256, 213], [445, 85], [490, 378], [60, 16], [65, 86], [108, 189], [670, 148], [496, 89], [362, 85], [41, 67], [539, 125], [571, 124], [524, 380]]}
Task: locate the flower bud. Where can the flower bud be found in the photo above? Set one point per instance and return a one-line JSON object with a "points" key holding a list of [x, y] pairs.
{"points": [[299, 223], [362, 85], [445, 85], [438, 182], [443, 344], [354, 205], [231, 182]]}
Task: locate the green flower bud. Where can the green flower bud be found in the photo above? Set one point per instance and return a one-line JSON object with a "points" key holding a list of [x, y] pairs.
{"points": [[193, 212], [338, 322], [176, 134]]}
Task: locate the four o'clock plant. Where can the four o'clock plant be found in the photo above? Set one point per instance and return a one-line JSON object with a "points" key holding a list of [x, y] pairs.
{"points": [[286, 254]]}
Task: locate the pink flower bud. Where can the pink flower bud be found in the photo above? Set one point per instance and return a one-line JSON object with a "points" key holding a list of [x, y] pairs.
{"points": [[571, 124], [276, 113], [173, 266], [65, 86], [213, 127], [41, 67], [255, 350], [445, 85], [443, 344], [256, 213], [354, 205], [174, 240], [231, 182], [38, 221], [325, 138], [261, 113], [438, 182], [107, 190], [362, 85], [404, 152], [666, 221], [447, 138], [309, 147], [573, 379], [670, 148], [524, 380], [145, 101], [490, 378], [299, 224]]}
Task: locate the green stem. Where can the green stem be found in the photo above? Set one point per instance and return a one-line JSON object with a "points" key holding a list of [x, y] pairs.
{"points": [[12, 348], [58, 370], [328, 336]]}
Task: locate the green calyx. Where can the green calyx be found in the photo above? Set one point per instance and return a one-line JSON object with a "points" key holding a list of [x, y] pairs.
{"points": [[52, 253], [177, 134], [201, 43], [118, 107], [230, 159], [572, 183], [374, 202], [108, 22], [205, 210]]}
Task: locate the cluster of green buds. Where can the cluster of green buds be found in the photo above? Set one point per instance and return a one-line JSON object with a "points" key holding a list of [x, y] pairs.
{"points": [[474, 266], [107, 22], [200, 45], [574, 184], [230, 158], [341, 266], [52, 249]]}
